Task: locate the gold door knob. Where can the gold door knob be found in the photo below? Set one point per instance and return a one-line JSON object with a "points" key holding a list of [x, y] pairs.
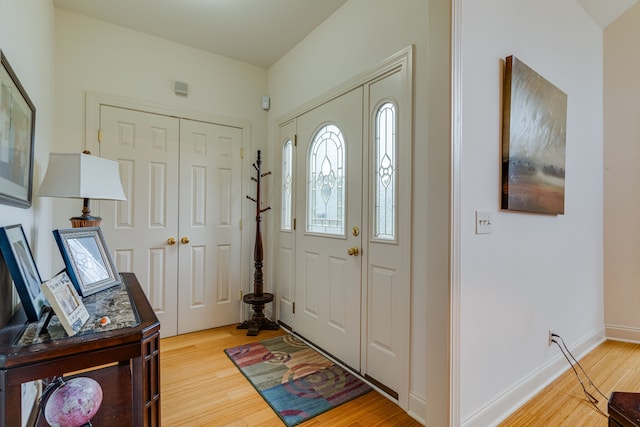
{"points": [[353, 251], [171, 241], [184, 240], [355, 231]]}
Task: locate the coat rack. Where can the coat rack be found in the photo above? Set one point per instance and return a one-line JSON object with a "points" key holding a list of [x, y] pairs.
{"points": [[258, 298]]}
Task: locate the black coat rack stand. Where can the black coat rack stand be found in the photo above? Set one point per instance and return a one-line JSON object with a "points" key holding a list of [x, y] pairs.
{"points": [[258, 298]]}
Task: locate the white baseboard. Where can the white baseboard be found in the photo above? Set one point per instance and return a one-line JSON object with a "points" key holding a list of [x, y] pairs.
{"points": [[507, 403], [417, 408], [622, 333]]}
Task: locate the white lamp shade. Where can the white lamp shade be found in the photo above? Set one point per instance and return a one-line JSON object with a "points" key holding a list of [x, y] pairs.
{"points": [[79, 175]]}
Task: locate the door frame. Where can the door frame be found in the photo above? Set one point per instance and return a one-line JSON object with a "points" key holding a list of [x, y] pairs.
{"points": [[402, 60], [93, 101]]}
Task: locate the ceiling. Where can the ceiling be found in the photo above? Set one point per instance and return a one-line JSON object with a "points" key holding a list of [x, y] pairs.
{"points": [[604, 12], [257, 32]]}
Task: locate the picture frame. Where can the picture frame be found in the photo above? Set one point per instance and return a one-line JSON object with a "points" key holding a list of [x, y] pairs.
{"points": [[24, 272], [87, 258], [65, 302], [17, 130]]}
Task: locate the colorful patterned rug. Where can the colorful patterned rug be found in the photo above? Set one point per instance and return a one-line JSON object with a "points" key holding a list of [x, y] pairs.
{"points": [[295, 380]]}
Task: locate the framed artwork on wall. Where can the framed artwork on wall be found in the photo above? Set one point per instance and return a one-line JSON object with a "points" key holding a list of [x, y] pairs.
{"points": [[87, 258], [17, 126], [24, 272], [534, 125]]}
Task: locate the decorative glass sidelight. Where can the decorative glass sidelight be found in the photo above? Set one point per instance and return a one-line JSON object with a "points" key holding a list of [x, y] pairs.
{"points": [[287, 179], [326, 181], [385, 169]]}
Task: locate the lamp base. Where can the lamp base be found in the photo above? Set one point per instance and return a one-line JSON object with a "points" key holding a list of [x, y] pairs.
{"points": [[85, 221]]}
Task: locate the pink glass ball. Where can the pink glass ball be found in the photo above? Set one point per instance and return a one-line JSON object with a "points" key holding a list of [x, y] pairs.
{"points": [[73, 403]]}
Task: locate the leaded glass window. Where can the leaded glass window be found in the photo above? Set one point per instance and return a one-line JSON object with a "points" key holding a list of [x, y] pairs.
{"points": [[287, 178], [325, 182], [385, 167]]}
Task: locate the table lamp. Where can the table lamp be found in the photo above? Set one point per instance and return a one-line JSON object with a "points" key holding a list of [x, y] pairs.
{"points": [[82, 176]]}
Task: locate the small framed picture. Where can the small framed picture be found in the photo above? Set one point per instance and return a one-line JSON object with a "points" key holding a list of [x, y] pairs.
{"points": [[26, 278], [66, 303], [87, 258]]}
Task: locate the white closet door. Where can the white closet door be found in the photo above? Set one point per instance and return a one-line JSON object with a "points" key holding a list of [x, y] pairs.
{"points": [[138, 229], [179, 230], [210, 240]]}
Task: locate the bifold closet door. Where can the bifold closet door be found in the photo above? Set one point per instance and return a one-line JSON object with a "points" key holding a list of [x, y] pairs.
{"points": [[179, 229], [142, 232], [210, 240]]}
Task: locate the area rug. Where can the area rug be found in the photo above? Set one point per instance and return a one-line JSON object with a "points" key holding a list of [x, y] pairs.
{"points": [[294, 379]]}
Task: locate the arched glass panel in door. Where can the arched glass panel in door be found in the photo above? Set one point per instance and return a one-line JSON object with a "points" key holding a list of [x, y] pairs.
{"points": [[325, 182], [287, 178], [385, 172]]}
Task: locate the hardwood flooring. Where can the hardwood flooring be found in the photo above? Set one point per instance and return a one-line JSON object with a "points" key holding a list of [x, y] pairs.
{"points": [[202, 387], [612, 366]]}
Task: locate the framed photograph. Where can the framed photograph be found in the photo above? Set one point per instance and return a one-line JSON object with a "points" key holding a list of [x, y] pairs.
{"points": [[66, 303], [17, 127], [87, 258], [26, 278]]}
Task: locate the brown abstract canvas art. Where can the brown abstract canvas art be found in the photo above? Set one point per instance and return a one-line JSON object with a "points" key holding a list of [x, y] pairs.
{"points": [[533, 141]]}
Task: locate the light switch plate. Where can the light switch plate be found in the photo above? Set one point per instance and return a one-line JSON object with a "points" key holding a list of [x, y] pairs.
{"points": [[484, 222]]}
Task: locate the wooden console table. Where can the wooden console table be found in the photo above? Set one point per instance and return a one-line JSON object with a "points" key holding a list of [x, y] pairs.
{"points": [[131, 385]]}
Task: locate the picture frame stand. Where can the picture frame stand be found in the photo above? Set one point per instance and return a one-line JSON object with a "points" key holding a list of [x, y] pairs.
{"points": [[49, 313]]}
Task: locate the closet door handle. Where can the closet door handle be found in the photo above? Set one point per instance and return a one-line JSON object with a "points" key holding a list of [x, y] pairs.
{"points": [[171, 241], [184, 240]]}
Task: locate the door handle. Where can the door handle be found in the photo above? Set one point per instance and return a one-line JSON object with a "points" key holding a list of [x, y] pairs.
{"points": [[171, 241], [353, 251], [184, 240]]}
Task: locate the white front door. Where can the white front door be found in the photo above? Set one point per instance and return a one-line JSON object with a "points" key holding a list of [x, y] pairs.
{"points": [[179, 230], [334, 290], [328, 262], [286, 255]]}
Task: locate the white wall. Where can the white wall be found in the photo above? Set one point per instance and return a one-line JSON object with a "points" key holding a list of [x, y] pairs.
{"points": [[27, 40], [94, 56], [535, 272], [622, 176], [355, 38]]}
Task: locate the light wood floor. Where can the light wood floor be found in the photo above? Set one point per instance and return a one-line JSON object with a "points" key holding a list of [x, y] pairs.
{"points": [[612, 366], [202, 387]]}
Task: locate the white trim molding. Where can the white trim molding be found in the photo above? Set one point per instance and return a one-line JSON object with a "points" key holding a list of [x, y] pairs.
{"points": [[622, 333], [417, 408], [508, 402], [456, 206]]}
